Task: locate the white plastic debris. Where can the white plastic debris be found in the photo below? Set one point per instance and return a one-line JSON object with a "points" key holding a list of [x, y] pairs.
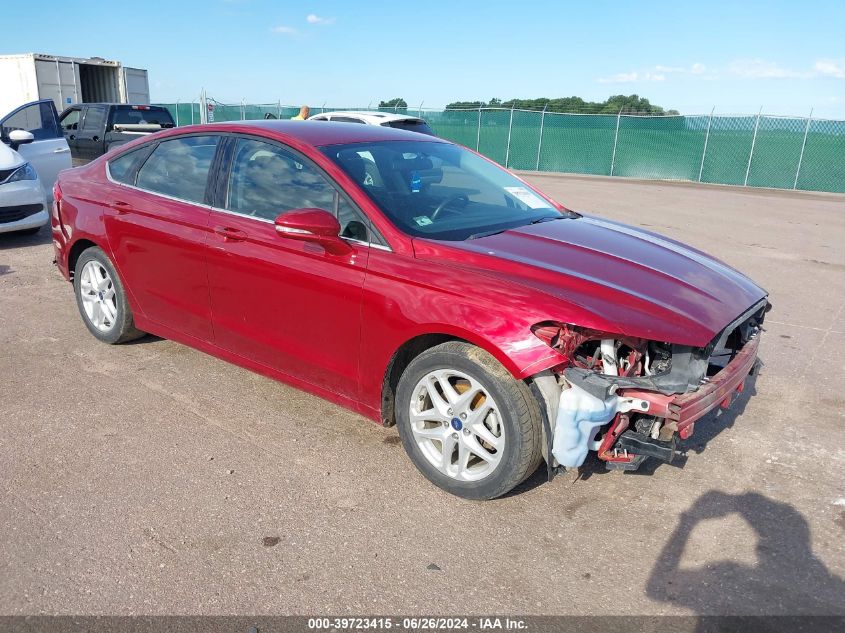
{"points": [[579, 416]]}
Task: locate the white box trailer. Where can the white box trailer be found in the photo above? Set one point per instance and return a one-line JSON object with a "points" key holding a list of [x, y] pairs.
{"points": [[69, 80]]}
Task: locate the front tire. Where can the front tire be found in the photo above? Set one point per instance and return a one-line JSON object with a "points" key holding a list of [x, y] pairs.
{"points": [[466, 423], [101, 298]]}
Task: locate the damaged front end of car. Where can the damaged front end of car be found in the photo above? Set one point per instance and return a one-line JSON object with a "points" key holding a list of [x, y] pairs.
{"points": [[628, 399]]}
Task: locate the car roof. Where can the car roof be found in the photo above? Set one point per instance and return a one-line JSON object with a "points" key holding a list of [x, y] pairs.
{"points": [[316, 133], [375, 117], [121, 105]]}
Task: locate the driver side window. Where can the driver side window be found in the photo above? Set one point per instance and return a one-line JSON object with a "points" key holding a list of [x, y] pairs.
{"points": [[70, 121], [37, 118], [265, 180]]}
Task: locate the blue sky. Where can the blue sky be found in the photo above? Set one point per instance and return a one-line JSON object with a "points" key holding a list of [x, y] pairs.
{"points": [[738, 56]]}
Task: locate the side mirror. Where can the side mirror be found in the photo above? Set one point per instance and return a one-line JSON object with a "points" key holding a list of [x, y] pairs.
{"points": [[20, 137], [312, 225]]}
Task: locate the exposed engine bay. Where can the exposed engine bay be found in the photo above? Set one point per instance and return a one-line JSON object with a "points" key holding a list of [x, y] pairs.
{"points": [[628, 398]]}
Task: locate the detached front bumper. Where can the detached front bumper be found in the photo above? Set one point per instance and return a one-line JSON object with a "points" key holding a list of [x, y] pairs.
{"points": [[682, 411], [639, 421]]}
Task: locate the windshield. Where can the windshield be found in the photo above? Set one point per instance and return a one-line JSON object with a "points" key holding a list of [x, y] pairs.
{"points": [[439, 190]]}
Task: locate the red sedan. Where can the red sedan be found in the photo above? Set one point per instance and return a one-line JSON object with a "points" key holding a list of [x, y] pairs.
{"points": [[415, 282]]}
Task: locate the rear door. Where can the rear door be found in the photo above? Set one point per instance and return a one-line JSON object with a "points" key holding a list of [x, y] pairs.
{"points": [[157, 226], [90, 136], [49, 152]]}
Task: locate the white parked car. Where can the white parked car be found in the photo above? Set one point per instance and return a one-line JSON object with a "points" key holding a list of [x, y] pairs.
{"points": [[386, 119], [32, 152]]}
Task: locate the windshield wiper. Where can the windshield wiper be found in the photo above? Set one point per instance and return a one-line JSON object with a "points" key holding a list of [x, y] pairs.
{"points": [[546, 218], [488, 233]]}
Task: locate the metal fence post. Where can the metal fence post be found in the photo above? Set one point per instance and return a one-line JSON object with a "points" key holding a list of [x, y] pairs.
{"points": [[540, 142], [615, 140], [753, 141], [279, 108], [192, 112], [478, 132], [706, 139], [510, 129], [421, 105], [177, 112], [803, 144], [243, 109]]}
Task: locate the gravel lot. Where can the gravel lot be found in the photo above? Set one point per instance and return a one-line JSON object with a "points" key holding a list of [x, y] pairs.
{"points": [[151, 478]]}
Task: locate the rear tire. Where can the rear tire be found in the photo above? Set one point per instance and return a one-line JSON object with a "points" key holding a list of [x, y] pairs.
{"points": [[101, 298], [466, 423]]}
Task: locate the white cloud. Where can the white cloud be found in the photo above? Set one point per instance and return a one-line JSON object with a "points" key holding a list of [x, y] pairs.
{"points": [[762, 69], [627, 78], [658, 73], [696, 69], [620, 78], [669, 69], [284, 30], [830, 68], [316, 19]]}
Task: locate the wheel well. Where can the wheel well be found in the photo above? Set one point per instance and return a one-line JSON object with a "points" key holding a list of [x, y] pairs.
{"points": [[75, 251], [395, 368]]}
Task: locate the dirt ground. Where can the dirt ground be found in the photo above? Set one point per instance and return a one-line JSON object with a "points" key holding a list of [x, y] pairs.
{"points": [[153, 479]]}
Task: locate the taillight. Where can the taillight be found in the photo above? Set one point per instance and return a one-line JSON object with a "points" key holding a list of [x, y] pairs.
{"points": [[57, 200]]}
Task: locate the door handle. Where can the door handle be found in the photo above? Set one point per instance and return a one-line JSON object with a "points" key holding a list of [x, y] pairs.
{"points": [[121, 207], [229, 234], [61, 150]]}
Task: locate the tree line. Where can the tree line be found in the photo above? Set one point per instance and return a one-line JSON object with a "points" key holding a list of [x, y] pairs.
{"points": [[627, 104]]}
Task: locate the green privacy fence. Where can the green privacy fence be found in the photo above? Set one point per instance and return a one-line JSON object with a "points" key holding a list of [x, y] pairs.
{"points": [[752, 150]]}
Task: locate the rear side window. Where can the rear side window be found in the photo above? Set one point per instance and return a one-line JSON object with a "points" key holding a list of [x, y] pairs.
{"points": [[179, 167], [412, 125], [122, 168], [346, 119]]}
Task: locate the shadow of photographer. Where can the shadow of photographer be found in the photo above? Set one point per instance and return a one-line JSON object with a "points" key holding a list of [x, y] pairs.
{"points": [[788, 578]]}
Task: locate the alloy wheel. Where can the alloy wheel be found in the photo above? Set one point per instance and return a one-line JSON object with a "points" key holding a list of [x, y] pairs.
{"points": [[457, 425]]}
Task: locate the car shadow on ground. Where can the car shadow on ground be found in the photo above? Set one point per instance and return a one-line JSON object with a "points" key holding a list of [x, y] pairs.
{"points": [[18, 240], [788, 578]]}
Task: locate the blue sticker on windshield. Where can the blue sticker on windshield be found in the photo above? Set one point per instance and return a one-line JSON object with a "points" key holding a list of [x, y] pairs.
{"points": [[416, 182]]}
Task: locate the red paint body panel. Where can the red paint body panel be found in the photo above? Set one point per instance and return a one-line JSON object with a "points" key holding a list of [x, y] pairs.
{"points": [[287, 304], [330, 322]]}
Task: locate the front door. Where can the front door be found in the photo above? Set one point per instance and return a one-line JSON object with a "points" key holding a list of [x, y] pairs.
{"points": [[287, 304], [69, 124], [157, 224], [49, 152], [91, 133]]}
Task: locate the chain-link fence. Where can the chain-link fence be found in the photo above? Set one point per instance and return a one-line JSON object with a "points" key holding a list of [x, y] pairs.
{"points": [[754, 150]]}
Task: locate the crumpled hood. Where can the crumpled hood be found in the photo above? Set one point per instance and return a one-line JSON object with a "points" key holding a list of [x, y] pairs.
{"points": [[9, 158], [648, 285]]}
